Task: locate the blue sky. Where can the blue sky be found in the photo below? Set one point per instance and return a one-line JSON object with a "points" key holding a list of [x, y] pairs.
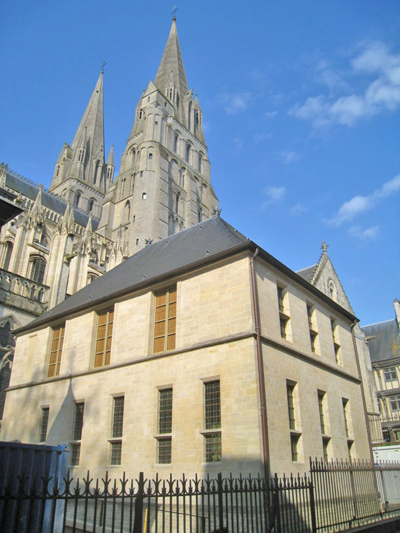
{"points": [[301, 104]]}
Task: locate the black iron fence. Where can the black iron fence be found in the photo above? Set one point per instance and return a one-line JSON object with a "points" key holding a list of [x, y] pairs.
{"points": [[336, 496]]}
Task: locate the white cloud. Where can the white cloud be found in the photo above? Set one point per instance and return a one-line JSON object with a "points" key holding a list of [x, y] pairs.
{"points": [[359, 204], [273, 194], [298, 209], [364, 235], [381, 94], [234, 103], [286, 156], [270, 114]]}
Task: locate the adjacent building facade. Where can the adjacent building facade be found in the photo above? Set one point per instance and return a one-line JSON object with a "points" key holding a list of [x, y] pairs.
{"points": [[384, 346]]}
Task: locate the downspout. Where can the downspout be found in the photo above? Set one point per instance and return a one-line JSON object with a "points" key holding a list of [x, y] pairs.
{"points": [[260, 367], [362, 391]]}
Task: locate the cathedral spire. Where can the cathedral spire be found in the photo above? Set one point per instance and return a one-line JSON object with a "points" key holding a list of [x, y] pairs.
{"points": [[80, 160], [171, 72]]}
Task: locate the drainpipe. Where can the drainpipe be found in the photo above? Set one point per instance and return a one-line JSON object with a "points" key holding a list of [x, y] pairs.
{"points": [[260, 367], [362, 391]]}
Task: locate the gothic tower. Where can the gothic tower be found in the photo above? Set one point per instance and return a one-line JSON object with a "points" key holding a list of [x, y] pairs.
{"points": [[164, 182], [81, 175]]}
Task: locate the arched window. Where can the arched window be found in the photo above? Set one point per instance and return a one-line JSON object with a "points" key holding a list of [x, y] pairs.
{"points": [[188, 152], [176, 140], [123, 183], [178, 196], [200, 163], [91, 204], [7, 255], [78, 195], [182, 178], [38, 268], [332, 290], [200, 214], [190, 115]]}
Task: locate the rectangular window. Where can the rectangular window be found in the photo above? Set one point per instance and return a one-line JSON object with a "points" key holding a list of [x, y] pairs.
{"points": [[345, 415], [165, 320], [213, 447], [56, 351], [104, 338], [283, 315], [116, 430], [290, 400], [44, 421], [212, 421], [390, 374], [325, 448], [395, 403], [165, 426], [336, 344], [294, 444], [312, 329], [212, 404], [77, 434], [321, 411]]}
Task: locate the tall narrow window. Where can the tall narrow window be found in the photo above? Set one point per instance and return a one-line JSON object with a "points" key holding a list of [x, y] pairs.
{"points": [[200, 163], [176, 138], [7, 257], [165, 321], [187, 153], [345, 415], [321, 411], [116, 430], [104, 337], [77, 434], [312, 328], [336, 343], [283, 315], [56, 351], [38, 269], [295, 434], [164, 426], [44, 421], [212, 421]]}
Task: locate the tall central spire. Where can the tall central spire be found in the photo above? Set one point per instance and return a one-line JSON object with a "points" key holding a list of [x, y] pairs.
{"points": [[171, 70]]}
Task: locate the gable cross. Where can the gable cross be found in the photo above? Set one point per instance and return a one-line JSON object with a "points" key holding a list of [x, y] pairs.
{"points": [[174, 10]]}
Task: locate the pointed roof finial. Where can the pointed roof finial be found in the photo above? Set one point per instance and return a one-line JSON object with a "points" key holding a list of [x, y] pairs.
{"points": [[324, 247], [102, 67], [174, 10]]}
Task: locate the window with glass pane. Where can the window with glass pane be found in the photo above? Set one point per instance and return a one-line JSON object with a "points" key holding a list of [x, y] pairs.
{"points": [[390, 373], [116, 453], [165, 411], [291, 411], [104, 337], [321, 411], [118, 417], [165, 320], [75, 453], [44, 420], [78, 424], [56, 351], [213, 447], [164, 451], [212, 404]]}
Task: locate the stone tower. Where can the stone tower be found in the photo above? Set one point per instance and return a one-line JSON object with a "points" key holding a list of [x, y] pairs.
{"points": [[164, 182], [81, 175]]}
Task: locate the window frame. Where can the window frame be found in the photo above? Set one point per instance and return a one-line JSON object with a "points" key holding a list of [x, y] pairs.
{"points": [[168, 333], [56, 363], [116, 430], [212, 416], [164, 425], [44, 423], [105, 353], [75, 443]]}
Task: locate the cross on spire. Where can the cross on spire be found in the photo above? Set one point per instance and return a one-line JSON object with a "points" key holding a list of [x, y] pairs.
{"points": [[102, 66], [324, 246], [174, 10]]}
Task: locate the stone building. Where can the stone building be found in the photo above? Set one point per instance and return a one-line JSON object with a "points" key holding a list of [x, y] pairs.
{"points": [[176, 349], [384, 346], [200, 353]]}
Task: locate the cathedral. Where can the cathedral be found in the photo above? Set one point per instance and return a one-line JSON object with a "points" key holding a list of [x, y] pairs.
{"points": [[184, 307]]}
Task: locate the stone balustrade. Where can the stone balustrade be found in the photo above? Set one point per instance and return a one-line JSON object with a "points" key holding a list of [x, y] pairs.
{"points": [[27, 288]]}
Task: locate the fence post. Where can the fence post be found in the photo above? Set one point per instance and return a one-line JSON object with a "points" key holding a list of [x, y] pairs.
{"points": [[220, 503], [312, 508], [275, 503], [138, 523]]}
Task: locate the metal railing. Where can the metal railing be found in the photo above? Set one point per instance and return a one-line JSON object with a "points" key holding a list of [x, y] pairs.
{"points": [[339, 495]]}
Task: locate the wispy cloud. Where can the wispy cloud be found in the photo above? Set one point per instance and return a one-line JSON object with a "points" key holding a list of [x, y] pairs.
{"points": [[270, 114], [298, 210], [234, 103], [360, 204], [259, 137], [286, 156], [273, 195], [364, 235], [381, 94]]}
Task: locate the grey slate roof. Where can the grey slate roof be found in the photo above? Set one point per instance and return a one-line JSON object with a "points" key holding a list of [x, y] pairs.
{"points": [[384, 343], [307, 273], [30, 190], [199, 245]]}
